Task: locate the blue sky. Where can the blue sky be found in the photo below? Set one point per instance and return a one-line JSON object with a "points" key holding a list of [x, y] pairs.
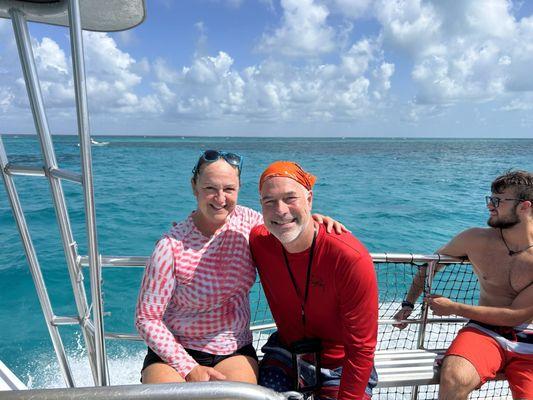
{"points": [[405, 68]]}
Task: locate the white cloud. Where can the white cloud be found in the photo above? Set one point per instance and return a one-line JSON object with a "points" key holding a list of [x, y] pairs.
{"points": [[112, 77], [416, 112], [6, 98], [357, 58], [521, 104], [50, 58], [273, 90], [355, 83], [106, 61], [54, 74], [409, 25], [352, 8], [488, 18], [163, 72], [462, 51], [304, 30], [209, 87], [127, 37], [383, 75], [9, 70], [201, 42], [142, 66]]}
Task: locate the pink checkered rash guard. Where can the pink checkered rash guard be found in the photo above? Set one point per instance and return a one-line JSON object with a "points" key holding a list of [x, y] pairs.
{"points": [[195, 291]]}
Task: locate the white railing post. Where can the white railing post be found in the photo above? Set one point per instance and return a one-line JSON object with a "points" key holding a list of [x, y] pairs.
{"points": [[78, 66]]}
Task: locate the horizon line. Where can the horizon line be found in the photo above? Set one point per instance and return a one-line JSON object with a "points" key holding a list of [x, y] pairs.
{"points": [[274, 137]]}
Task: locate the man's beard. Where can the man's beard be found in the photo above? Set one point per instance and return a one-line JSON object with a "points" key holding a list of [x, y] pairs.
{"points": [[288, 237], [504, 222]]}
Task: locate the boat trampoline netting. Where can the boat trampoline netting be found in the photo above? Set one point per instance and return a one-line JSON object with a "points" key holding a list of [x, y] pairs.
{"points": [[455, 281]]}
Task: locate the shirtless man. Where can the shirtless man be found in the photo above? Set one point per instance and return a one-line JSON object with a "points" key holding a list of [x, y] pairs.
{"points": [[499, 337]]}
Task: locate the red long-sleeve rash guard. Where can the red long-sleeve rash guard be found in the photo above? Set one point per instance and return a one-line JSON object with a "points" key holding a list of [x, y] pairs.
{"points": [[342, 304]]}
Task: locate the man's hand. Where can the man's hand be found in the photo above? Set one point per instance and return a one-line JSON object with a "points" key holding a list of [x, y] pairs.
{"points": [[204, 374], [440, 305], [403, 314], [330, 223]]}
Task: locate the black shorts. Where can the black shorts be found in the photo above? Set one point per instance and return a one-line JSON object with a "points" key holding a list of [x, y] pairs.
{"points": [[202, 358]]}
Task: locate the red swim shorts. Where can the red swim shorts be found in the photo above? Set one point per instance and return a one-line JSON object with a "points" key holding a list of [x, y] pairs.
{"points": [[490, 356]]}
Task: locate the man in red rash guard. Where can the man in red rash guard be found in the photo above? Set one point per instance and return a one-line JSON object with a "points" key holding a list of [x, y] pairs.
{"points": [[318, 286]]}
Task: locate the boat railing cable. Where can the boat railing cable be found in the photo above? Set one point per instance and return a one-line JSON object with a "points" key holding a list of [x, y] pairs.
{"points": [[410, 258]]}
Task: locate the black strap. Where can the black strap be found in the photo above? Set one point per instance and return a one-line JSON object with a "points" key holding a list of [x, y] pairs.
{"points": [[513, 252], [308, 278]]}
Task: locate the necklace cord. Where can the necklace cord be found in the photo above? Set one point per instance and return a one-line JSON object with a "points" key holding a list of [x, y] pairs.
{"points": [[512, 252], [308, 278]]}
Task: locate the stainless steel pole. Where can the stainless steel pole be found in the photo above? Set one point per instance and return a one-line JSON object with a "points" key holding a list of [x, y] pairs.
{"points": [[430, 272], [161, 391], [29, 69], [35, 270], [78, 65]]}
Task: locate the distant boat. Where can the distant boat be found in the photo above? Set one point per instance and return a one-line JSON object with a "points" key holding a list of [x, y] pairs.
{"points": [[96, 143]]}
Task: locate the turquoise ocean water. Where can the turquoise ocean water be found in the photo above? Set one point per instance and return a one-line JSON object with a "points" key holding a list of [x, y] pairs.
{"points": [[396, 195]]}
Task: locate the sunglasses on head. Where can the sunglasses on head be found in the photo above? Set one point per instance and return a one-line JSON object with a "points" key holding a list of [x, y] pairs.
{"points": [[210, 156], [495, 201]]}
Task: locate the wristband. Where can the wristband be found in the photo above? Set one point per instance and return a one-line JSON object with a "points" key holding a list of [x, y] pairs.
{"points": [[407, 303]]}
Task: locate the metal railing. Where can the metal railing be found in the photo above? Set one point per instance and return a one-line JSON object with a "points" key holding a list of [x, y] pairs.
{"points": [[409, 258], [93, 331], [166, 391], [378, 258]]}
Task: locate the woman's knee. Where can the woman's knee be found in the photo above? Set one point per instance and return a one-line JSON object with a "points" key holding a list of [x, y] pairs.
{"points": [[160, 373], [239, 369]]}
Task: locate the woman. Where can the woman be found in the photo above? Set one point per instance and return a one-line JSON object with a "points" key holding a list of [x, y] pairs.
{"points": [[193, 309]]}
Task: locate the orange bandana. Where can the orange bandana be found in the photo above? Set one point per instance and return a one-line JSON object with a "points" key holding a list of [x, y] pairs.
{"points": [[287, 169]]}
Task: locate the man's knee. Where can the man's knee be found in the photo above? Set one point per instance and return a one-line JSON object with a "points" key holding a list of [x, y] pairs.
{"points": [[458, 374]]}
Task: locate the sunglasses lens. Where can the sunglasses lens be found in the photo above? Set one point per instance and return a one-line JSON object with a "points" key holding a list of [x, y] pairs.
{"points": [[494, 201], [233, 159], [211, 155]]}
